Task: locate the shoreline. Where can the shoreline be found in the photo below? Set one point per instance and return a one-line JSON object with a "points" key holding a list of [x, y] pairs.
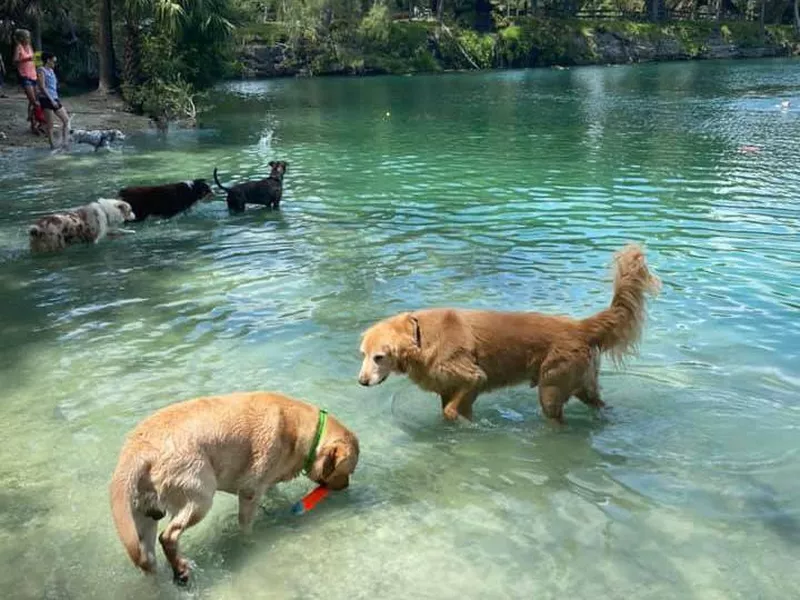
{"points": [[498, 69], [419, 47], [93, 110], [88, 110]]}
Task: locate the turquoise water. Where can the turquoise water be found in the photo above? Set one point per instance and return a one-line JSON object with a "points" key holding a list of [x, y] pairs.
{"points": [[507, 190]]}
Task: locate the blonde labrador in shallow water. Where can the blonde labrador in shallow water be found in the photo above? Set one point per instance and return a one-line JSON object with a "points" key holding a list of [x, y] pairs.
{"points": [[242, 443], [459, 354]]}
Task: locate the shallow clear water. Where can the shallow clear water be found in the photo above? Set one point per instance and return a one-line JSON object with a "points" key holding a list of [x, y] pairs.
{"points": [[507, 190]]}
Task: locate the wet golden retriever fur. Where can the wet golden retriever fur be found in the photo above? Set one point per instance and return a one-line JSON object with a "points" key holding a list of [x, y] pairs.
{"points": [[242, 443], [459, 354]]}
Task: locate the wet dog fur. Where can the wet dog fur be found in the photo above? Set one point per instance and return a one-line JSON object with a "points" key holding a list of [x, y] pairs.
{"points": [[97, 138], [243, 443], [459, 354], [267, 192], [85, 224], [165, 200]]}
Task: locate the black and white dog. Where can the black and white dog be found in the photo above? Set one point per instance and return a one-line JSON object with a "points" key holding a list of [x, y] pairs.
{"points": [[99, 138], [166, 200]]}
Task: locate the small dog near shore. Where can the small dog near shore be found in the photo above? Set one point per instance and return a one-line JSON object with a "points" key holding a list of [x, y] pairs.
{"points": [[459, 354], [165, 200], [243, 443], [98, 138], [85, 224], [266, 192]]}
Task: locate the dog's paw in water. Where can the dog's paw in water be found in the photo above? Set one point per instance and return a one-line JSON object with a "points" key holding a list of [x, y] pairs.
{"points": [[451, 415], [181, 572]]}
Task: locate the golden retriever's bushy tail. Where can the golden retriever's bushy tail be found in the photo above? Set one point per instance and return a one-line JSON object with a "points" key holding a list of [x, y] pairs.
{"points": [[617, 329], [125, 484]]}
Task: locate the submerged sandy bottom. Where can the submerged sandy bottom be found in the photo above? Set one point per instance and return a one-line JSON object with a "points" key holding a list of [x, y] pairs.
{"points": [[686, 488]]}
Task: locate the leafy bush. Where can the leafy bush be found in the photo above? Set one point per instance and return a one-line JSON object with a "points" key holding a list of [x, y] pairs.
{"points": [[481, 48], [514, 46], [376, 25], [535, 42], [170, 100]]}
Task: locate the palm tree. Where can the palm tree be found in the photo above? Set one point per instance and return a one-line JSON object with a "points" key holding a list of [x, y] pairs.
{"points": [[170, 16], [31, 12], [105, 48]]}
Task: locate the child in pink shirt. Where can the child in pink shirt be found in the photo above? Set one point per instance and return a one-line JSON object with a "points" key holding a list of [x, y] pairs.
{"points": [[23, 59]]}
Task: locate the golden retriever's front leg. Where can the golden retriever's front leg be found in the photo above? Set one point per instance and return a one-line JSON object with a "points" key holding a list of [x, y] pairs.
{"points": [[552, 400], [248, 502], [459, 404]]}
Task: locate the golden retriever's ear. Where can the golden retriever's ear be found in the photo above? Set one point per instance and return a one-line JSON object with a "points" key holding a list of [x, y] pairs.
{"points": [[329, 463], [415, 333]]}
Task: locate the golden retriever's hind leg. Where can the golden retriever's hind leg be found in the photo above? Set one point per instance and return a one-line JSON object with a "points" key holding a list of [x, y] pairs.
{"points": [[147, 528], [552, 400], [590, 397], [190, 514], [589, 392]]}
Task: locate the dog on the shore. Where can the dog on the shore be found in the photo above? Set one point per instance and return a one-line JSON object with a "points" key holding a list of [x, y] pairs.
{"points": [[85, 224], [459, 354], [266, 192], [165, 200], [98, 138], [243, 443]]}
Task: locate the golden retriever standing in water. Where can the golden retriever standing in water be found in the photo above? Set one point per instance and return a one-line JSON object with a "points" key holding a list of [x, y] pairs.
{"points": [[459, 354], [244, 443]]}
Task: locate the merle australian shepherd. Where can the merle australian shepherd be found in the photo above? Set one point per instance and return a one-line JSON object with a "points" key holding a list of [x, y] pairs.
{"points": [[165, 200], [266, 192], [86, 224]]}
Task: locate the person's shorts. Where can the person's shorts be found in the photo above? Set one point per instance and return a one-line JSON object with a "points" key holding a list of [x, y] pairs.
{"points": [[25, 82], [45, 102]]}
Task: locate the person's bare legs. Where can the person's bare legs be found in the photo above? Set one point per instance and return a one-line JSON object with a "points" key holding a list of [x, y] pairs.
{"points": [[62, 114], [48, 117], [30, 93]]}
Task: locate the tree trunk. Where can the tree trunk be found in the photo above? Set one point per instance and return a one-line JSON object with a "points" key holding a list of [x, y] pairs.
{"points": [[108, 76], [719, 10], [36, 35], [654, 10], [797, 16], [440, 11], [483, 15], [763, 17], [132, 59]]}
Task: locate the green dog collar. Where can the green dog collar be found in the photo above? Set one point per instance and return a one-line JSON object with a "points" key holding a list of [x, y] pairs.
{"points": [[312, 452]]}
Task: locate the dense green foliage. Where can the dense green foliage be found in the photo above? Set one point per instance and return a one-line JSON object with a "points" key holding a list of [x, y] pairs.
{"points": [[173, 49], [166, 51]]}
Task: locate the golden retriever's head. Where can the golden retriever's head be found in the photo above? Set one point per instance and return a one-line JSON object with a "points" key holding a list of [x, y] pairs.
{"points": [[386, 346], [336, 458]]}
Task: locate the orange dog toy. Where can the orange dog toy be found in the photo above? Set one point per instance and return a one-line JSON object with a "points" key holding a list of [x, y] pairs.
{"points": [[310, 500]]}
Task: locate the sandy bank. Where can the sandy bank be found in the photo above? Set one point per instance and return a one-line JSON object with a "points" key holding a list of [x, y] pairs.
{"points": [[88, 111]]}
